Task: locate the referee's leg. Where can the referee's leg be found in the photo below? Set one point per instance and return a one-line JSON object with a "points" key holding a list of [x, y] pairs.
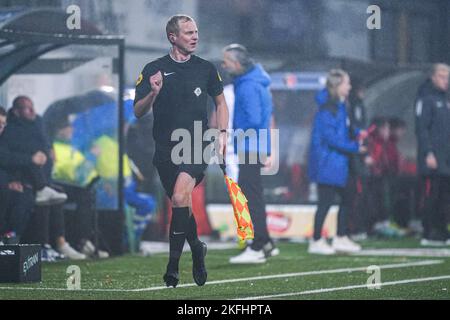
{"points": [[183, 227]]}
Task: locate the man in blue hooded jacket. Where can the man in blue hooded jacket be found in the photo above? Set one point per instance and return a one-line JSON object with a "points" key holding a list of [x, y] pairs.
{"points": [[252, 123]]}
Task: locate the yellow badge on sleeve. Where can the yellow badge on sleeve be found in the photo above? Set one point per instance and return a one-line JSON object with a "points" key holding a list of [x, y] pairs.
{"points": [[220, 78], [139, 80]]}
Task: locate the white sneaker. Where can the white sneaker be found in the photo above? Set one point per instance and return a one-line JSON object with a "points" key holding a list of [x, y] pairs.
{"points": [[49, 196], [71, 253], [274, 252], [89, 250], [345, 245], [249, 256], [52, 254], [103, 254], [320, 246], [270, 250], [433, 243], [359, 236]]}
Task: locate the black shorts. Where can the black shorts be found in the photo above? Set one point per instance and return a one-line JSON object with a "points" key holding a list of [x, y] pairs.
{"points": [[168, 173]]}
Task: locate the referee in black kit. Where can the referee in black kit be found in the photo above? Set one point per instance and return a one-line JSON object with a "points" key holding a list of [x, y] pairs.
{"points": [[175, 86]]}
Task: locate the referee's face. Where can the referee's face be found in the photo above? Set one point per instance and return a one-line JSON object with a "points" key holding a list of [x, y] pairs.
{"points": [[187, 39]]}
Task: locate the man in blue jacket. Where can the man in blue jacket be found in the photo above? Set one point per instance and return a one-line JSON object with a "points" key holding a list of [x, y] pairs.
{"points": [[251, 122]]}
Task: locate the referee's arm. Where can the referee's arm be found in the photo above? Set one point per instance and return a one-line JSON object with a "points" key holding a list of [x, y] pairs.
{"points": [[144, 105], [222, 120], [222, 111]]}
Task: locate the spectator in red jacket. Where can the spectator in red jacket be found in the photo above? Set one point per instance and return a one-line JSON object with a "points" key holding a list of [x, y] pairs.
{"points": [[383, 161], [385, 158], [404, 183]]}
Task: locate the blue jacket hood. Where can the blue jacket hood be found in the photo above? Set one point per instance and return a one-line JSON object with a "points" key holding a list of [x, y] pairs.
{"points": [[256, 74]]}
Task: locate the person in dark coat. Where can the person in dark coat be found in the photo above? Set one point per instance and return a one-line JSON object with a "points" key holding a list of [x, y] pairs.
{"points": [[356, 189], [383, 159], [329, 160], [16, 199], [433, 136], [252, 113], [25, 134]]}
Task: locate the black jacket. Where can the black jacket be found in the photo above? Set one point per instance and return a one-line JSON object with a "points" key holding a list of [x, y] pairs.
{"points": [[357, 114], [11, 163], [4, 179], [27, 137], [433, 128], [358, 120]]}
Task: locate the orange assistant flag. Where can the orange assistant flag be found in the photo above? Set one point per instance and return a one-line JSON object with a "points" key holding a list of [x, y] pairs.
{"points": [[240, 208]]}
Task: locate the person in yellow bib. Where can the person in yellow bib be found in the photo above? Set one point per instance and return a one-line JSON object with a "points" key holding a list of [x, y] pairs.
{"points": [[71, 165], [74, 172]]}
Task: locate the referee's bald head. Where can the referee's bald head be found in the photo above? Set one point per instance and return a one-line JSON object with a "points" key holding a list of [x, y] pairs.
{"points": [[173, 24]]}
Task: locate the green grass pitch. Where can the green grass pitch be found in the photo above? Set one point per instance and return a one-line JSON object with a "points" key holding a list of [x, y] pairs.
{"points": [[294, 274]]}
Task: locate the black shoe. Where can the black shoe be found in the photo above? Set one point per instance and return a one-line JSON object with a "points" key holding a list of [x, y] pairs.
{"points": [[198, 263], [171, 279]]}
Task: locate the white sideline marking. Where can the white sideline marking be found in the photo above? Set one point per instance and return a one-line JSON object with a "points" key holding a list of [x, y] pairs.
{"points": [[300, 274], [390, 283], [405, 252], [273, 276]]}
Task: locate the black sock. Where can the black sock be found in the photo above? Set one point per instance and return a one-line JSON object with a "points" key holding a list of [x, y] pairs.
{"points": [[191, 235], [178, 230]]}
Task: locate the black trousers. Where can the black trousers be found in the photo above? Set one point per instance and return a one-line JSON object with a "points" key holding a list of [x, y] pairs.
{"points": [[404, 194], [46, 224], [81, 218], [435, 192], [382, 192], [327, 197], [36, 176], [356, 192], [15, 210], [251, 185], [4, 199]]}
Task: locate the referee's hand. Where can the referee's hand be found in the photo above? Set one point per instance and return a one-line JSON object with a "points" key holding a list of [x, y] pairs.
{"points": [[156, 82], [223, 137]]}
